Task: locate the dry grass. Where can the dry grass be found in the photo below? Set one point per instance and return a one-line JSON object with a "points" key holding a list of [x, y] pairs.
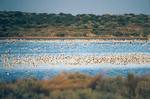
{"points": [[68, 81], [78, 86]]}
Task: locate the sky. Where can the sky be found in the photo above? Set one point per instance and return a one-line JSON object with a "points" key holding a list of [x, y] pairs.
{"points": [[74, 7]]}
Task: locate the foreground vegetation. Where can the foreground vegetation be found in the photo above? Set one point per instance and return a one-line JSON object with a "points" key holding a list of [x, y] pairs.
{"points": [[78, 86], [23, 24]]}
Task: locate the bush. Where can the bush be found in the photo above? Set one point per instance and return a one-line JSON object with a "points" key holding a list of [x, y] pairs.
{"points": [[143, 89], [132, 87], [61, 34]]}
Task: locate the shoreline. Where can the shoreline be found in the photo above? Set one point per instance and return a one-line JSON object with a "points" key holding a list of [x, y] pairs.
{"points": [[98, 37], [75, 39]]}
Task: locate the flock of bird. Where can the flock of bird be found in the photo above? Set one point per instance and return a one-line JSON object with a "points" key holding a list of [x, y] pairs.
{"points": [[75, 59], [8, 60]]}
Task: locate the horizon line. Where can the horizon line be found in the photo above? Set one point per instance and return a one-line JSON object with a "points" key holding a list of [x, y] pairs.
{"points": [[72, 13]]}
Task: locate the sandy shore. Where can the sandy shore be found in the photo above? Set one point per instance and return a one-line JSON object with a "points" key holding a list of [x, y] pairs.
{"points": [[97, 38], [56, 37], [73, 40]]}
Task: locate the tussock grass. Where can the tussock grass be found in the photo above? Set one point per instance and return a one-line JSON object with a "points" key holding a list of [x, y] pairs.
{"points": [[78, 86]]}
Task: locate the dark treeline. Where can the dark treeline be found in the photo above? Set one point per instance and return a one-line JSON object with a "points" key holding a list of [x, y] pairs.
{"points": [[78, 86], [15, 23]]}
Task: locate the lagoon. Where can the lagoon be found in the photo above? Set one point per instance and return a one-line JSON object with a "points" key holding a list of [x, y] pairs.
{"points": [[43, 59]]}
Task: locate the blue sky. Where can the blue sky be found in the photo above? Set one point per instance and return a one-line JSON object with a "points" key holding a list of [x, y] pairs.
{"points": [[78, 6]]}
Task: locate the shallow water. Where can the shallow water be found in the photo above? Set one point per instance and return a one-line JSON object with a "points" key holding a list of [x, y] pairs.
{"points": [[79, 47], [11, 49]]}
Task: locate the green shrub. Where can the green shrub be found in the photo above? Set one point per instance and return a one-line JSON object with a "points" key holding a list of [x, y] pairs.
{"points": [[61, 34]]}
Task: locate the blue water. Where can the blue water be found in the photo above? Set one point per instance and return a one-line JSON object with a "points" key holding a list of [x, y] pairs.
{"points": [[73, 48], [11, 75], [33, 48]]}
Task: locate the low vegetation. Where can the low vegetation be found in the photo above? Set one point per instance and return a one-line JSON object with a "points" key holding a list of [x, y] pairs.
{"points": [[21, 24], [78, 86]]}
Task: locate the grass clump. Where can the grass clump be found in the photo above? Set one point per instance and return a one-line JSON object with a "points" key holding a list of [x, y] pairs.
{"points": [[78, 86]]}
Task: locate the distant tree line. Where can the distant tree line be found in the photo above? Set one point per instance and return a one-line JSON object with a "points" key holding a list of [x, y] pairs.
{"points": [[15, 23]]}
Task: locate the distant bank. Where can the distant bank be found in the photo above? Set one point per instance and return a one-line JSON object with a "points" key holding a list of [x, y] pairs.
{"points": [[43, 25], [97, 37]]}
